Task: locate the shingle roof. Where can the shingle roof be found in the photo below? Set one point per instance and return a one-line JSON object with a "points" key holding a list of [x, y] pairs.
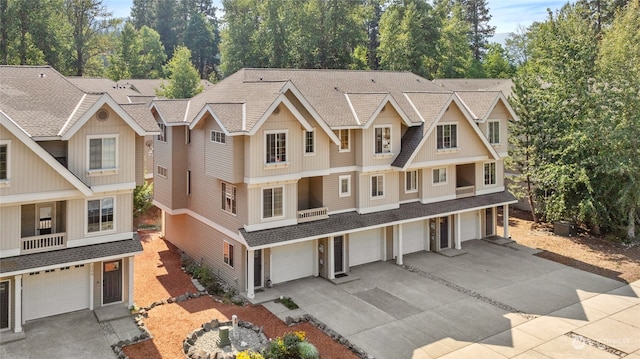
{"points": [[118, 91], [504, 85], [429, 104], [364, 105], [344, 222], [478, 103], [140, 112], [410, 141], [69, 255]]}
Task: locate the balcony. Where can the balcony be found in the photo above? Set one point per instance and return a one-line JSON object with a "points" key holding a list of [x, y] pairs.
{"points": [[313, 214], [465, 191], [43, 243]]}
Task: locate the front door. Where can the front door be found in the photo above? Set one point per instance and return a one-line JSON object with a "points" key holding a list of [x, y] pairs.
{"points": [[488, 222], [112, 282], [444, 232], [257, 268], [338, 254], [4, 305]]}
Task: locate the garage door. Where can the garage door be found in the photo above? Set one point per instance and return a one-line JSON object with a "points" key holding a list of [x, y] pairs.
{"points": [[365, 246], [292, 261], [468, 225], [58, 291], [413, 237]]}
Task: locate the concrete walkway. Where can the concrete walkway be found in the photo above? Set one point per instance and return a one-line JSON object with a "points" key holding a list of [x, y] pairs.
{"points": [[493, 302]]}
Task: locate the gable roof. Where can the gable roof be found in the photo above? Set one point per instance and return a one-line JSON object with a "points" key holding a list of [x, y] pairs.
{"points": [[503, 85]]}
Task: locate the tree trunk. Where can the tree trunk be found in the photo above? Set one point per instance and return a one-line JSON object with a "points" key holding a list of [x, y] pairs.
{"points": [[631, 226]]}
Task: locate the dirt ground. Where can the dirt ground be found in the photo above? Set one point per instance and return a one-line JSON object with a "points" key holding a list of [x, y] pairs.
{"points": [[586, 252], [158, 276]]}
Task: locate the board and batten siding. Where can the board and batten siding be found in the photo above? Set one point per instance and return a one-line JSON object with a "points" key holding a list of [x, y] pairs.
{"points": [[203, 243], [469, 144], [290, 203], [28, 172], [320, 159], [500, 112], [77, 210], [223, 160], [162, 157], [339, 159], [79, 150], [140, 160], [178, 170], [331, 192], [9, 231], [438, 190], [403, 195], [388, 117], [499, 175], [390, 196]]}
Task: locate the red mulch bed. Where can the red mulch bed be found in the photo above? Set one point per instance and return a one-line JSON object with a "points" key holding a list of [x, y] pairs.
{"points": [[158, 275]]}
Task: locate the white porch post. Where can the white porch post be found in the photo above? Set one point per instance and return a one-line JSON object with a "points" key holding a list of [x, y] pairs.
{"points": [[505, 220], [399, 257], [91, 286], [456, 234], [331, 269], [131, 276], [250, 290], [17, 300]]}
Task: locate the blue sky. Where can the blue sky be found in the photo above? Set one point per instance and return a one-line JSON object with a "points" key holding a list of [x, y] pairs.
{"points": [[507, 14]]}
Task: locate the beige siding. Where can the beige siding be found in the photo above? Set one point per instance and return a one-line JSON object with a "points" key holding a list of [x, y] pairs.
{"points": [[480, 175], [162, 157], [28, 172], [9, 230], [77, 215], [290, 200], [402, 190], [97, 289], [79, 150], [438, 190], [469, 144], [389, 117], [342, 159], [178, 172], [320, 159], [204, 243], [331, 192], [391, 186], [140, 160], [223, 161], [148, 155], [500, 112]]}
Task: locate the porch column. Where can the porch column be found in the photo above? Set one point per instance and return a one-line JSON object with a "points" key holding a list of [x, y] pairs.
{"points": [[91, 287], [250, 290], [399, 257], [17, 300], [316, 256], [131, 276], [330, 258], [458, 231], [505, 220]]}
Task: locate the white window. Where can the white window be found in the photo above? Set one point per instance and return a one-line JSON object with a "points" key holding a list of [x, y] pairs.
{"points": [[4, 161], [162, 171], [103, 152], [100, 215], [229, 198], [218, 137], [447, 136], [411, 181], [345, 145], [272, 202], [276, 147], [383, 139], [439, 175], [162, 137], [309, 142], [377, 186], [228, 253], [345, 185], [494, 132], [490, 173]]}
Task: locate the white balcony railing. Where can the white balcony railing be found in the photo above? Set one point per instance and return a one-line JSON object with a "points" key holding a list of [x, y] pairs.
{"points": [[43, 243], [465, 191], [313, 214]]}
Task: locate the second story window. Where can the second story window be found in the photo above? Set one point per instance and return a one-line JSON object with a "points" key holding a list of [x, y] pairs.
{"points": [[4, 161], [100, 215], [276, 147], [309, 142], [102, 153], [411, 181], [345, 146], [439, 175], [345, 186], [162, 137], [218, 137], [383, 139], [377, 186], [162, 171], [490, 173], [229, 198], [494, 132], [447, 136], [272, 202]]}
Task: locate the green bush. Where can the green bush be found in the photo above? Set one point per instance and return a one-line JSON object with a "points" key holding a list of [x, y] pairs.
{"points": [[292, 345], [142, 198]]}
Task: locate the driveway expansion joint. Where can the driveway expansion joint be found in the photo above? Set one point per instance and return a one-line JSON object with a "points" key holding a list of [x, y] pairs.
{"points": [[579, 341], [469, 292]]}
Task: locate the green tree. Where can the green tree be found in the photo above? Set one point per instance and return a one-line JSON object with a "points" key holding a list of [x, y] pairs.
{"points": [[200, 38], [237, 45], [184, 79], [152, 55], [496, 63], [476, 13], [143, 13], [125, 59], [166, 24], [454, 54], [517, 46]]}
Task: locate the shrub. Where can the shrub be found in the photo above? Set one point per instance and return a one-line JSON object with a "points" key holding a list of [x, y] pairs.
{"points": [[291, 345]]}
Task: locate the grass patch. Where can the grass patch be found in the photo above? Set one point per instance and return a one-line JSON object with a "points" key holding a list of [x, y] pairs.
{"points": [[287, 302]]}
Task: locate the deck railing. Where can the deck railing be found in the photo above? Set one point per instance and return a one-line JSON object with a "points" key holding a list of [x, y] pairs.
{"points": [[313, 214], [43, 243]]}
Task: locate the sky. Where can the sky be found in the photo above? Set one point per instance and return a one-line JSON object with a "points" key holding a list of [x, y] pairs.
{"points": [[506, 14]]}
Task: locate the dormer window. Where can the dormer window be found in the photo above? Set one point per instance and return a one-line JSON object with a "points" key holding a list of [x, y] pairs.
{"points": [[309, 142], [103, 152], [276, 147], [493, 132], [383, 139], [345, 145], [447, 136]]}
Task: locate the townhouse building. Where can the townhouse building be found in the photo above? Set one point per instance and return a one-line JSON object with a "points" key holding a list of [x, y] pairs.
{"points": [[69, 161], [273, 175]]}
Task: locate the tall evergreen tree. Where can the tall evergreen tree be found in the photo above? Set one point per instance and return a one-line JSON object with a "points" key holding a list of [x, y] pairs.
{"points": [[454, 54], [201, 40], [144, 13], [476, 13], [152, 55], [184, 79], [165, 25]]}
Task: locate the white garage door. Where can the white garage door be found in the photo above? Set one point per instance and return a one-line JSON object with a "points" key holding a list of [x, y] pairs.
{"points": [[55, 292], [413, 237], [292, 261], [365, 246], [468, 225]]}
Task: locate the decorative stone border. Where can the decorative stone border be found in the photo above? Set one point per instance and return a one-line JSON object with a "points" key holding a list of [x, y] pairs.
{"points": [[330, 332], [188, 345]]}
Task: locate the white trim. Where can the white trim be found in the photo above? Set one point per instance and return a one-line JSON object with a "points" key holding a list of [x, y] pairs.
{"points": [[41, 196], [73, 113], [448, 162], [378, 168], [489, 123], [9, 252], [384, 207], [281, 99], [446, 176], [160, 169], [353, 110], [113, 187], [438, 199], [272, 218], [388, 99], [489, 190], [6, 182], [234, 189], [484, 174], [340, 193], [211, 133], [266, 150], [334, 170], [342, 211], [102, 170], [411, 200], [105, 238], [186, 111], [375, 140], [257, 181], [304, 142], [270, 225], [384, 192], [445, 149], [348, 149], [406, 190], [86, 218]]}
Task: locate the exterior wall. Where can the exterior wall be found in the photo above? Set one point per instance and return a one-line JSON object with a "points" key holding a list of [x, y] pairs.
{"points": [[140, 160], [224, 161], [148, 149], [79, 151], [323, 258], [390, 199], [500, 112], [77, 216], [97, 284], [403, 196], [480, 186], [162, 157], [9, 231], [29, 172], [433, 192], [320, 159], [469, 226], [388, 117], [203, 243], [178, 170], [290, 203], [331, 192], [343, 159]]}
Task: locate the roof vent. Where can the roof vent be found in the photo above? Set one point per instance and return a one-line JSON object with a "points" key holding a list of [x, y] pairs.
{"points": [[42, 75], [102, 115], [374, 81]]}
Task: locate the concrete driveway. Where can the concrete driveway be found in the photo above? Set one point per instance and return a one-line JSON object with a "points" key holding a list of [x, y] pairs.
{"points": [[494, 302]]}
